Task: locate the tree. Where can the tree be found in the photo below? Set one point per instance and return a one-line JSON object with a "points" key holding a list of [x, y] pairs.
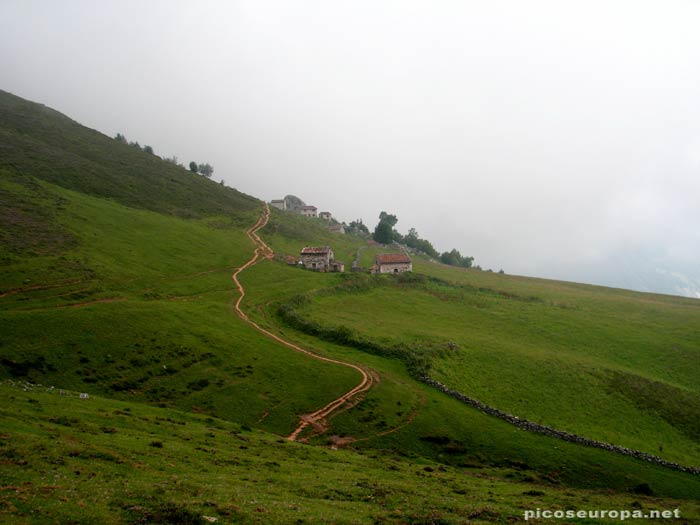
{"points": [[448, 258], [135, 144], [383, 233], [390, 219], [206, 169], [424, 246], [193, 167], [120, 138], [412, 240], [454, 258], [148, 149], [357, 226]]}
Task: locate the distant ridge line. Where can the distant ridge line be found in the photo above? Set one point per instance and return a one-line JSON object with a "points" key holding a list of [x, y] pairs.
{"points": [[552, 432]]}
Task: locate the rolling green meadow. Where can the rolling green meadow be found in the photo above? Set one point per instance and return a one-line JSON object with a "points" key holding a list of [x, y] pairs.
{"points": [[116, 282], [615, 367]]}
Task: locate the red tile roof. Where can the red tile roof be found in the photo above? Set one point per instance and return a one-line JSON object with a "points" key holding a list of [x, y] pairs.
{"points": [[315, 250], [393, 258]]}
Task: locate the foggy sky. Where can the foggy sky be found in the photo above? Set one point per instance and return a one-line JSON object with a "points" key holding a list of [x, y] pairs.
{"points": [[555, 139]]}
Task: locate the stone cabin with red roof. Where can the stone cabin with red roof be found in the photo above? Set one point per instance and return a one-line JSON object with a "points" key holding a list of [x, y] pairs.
{"points": [[393, 263], [320, 259]]}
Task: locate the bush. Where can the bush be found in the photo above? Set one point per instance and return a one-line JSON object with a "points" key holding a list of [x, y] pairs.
{"points": [[644, 489], [165, 513], [199, 384]]}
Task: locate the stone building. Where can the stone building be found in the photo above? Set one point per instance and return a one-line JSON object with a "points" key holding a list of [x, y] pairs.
{"points": [[280, 204], [392, 263], [308, 211], [326, 215], [320, 259], [337, 228], [317, 258]]}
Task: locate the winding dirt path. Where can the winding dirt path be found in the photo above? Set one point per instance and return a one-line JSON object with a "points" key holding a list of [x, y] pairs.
{"points": [[318, 418]]}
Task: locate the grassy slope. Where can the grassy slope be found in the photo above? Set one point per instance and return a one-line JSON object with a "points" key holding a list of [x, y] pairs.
{"points": [[169, 338], [38, 141], [612, 365], [117, 462], [464, 436]]}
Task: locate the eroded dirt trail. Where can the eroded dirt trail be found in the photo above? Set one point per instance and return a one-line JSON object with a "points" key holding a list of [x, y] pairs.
{"points": [[318, 419]]}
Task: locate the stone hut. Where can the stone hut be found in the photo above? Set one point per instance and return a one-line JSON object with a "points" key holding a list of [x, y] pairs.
{"points": [[393, 263], [337, 266], [280, 204], [325, 215], [317, 258], [336, 228], [308, 211]]}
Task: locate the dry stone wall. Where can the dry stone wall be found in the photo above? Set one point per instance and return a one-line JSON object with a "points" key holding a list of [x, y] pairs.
{"points": [[552, 432]]}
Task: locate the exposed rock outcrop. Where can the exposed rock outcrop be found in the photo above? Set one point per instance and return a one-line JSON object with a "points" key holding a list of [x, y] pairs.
{"points": [[293, 203]]}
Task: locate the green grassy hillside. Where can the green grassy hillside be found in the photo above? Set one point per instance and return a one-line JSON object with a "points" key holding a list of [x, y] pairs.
{"points": [[116, 281], [40, 142], [104, 296], [419, 419], [611, 365], [140, 309], [69, 460]]}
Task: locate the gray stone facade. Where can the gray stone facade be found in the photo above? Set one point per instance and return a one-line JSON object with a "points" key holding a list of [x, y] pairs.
{"points": [[317, 258]]}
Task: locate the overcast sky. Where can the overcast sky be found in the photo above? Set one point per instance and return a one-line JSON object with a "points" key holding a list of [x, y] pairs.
{"points": [[556, 139]]}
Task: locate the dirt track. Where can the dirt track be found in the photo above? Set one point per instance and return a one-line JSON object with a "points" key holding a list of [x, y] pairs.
{"points": [[316, 419]]}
